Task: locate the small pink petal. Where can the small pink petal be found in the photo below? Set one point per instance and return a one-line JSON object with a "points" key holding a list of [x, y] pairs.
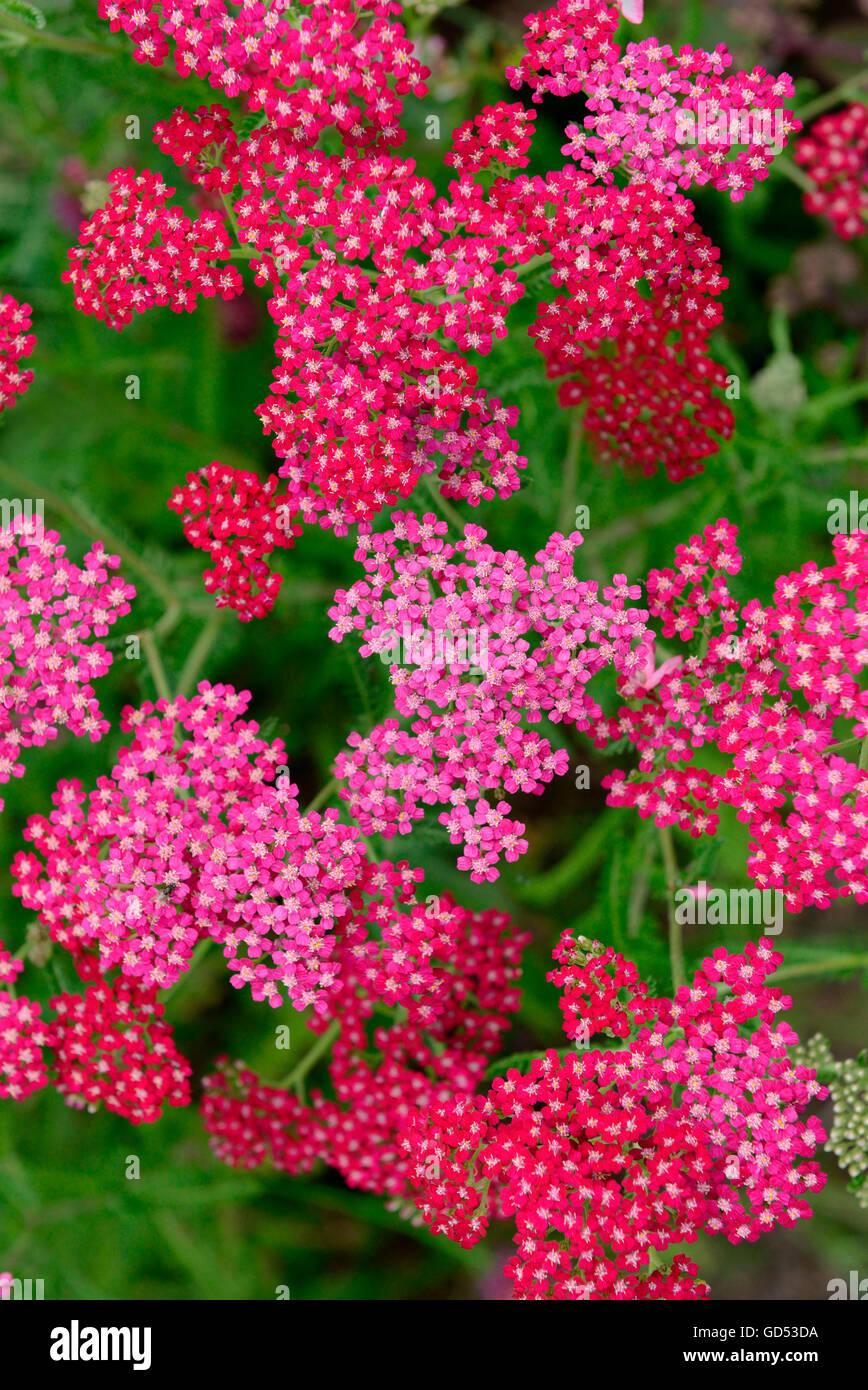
{"points": [[632, 10]]}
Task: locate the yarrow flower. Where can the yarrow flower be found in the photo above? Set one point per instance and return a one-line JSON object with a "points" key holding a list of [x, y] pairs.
{"points": [[139, 251], [834, 154], [426, 995], [381, 290], [112, 1047], [628, 337], [196, 834], [50, 612], [769, 688], [310, 67], [608, 1156], [469, 744], [232, 515], [674, 119], [109, 1045], [16, 343]]}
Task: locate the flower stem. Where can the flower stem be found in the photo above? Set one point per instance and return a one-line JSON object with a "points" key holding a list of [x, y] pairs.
{"points": [[676, 946], [845, 91], [566, 519], [449, 514], [296, 1077], [199, 653], [821, 967], [113, 544], [156, 667], [322, 795], [28, 34], [535, 263], [791, 170]]}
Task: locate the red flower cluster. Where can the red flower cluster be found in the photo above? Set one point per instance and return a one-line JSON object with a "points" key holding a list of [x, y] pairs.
{"points": [[834, 154], [16, 342], [607, 1157], [233, 516], [23, 1035], [772, 688], [502, 134], [330, 63], [629, 335], [108, 1045], [426, 992], [111, 1046], [139, 251]]}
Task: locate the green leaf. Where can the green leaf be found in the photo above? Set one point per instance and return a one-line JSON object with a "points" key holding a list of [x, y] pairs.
{"points": [[29, 14]]}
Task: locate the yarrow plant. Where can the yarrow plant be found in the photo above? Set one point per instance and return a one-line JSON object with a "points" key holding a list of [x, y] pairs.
{"points": [[51, 612], [771, 687], [834, 155], [607, 1157], [16, 343], [384, 290], [469, 744], [415, 299]]}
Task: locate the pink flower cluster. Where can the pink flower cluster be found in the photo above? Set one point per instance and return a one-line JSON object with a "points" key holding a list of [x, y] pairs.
{"points": [[232, 515], [382, 290], [773, 688], [139, 251], [426, 995], [50, 612], [834, 154], [16, 343], [607, 1157], [196, 834], [545, 634], [675, 119]]}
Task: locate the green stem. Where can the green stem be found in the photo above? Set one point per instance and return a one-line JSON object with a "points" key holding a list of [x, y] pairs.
{"points": [[8, 25], [791, 170], [821, 967], [296, 1077], [845, 91], [566, 519], [156, 667], [199, 952], [449, 514], [322, 795], [676, 946], [535, 263], [199, 653]]}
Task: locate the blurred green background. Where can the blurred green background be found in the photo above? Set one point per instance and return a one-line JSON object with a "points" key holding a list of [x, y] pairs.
{"points": [[796, 333]]}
